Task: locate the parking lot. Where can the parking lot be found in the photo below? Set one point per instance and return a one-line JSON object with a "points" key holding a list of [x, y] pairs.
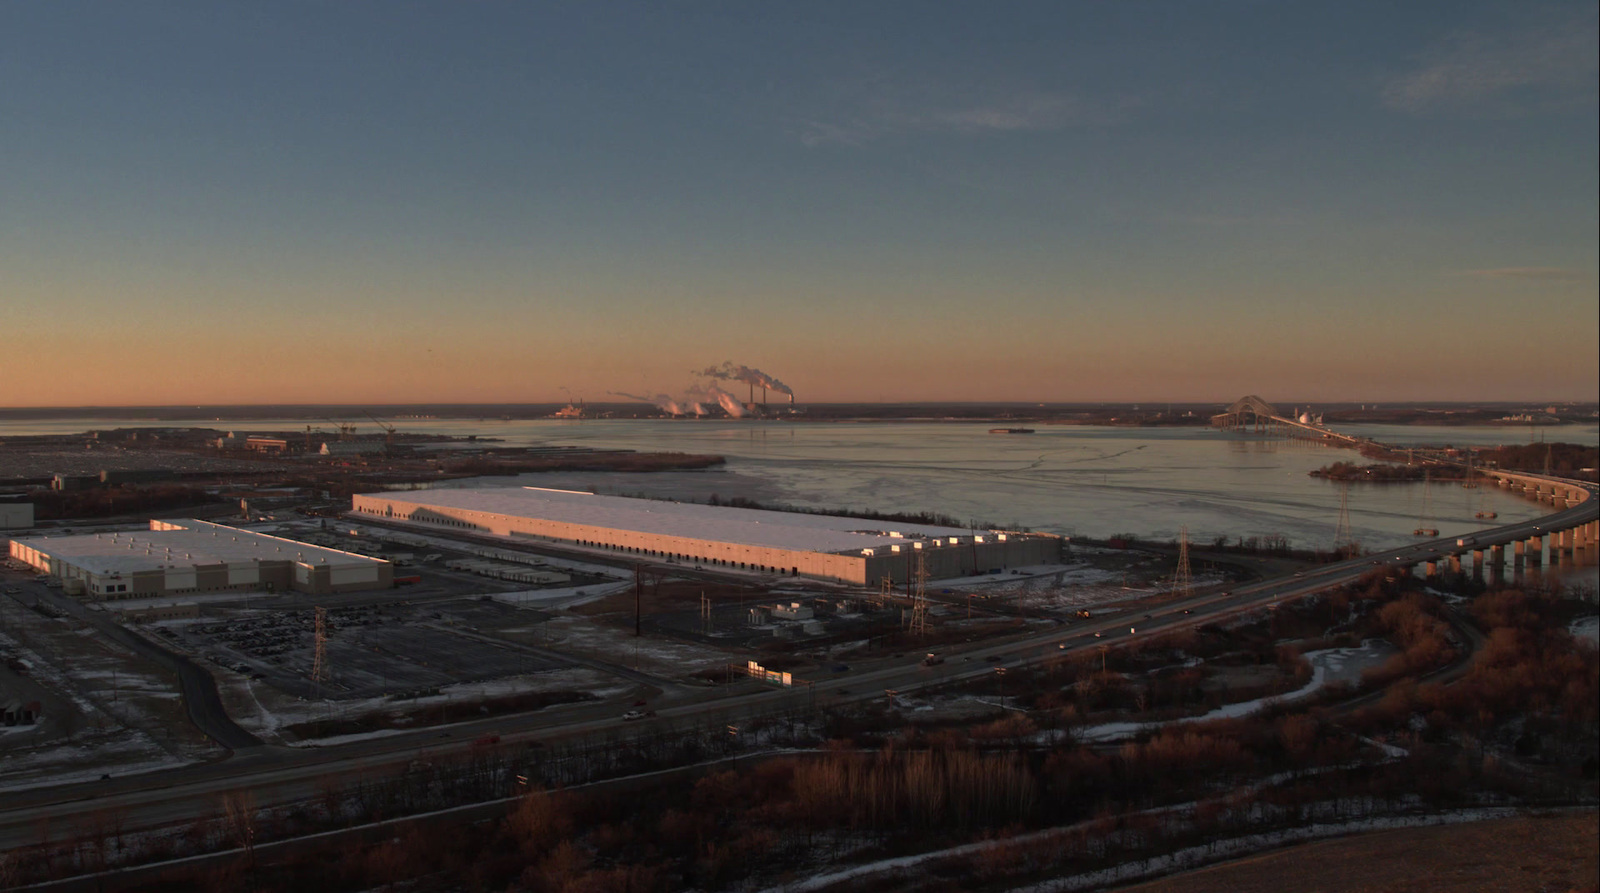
{"points": [[395, 648]]}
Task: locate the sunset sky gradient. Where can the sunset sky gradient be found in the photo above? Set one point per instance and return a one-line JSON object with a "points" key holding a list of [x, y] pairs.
{"points": [[365, 202]]}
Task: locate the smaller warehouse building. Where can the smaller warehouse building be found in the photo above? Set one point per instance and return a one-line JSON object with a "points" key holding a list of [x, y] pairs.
{"points": [[176, 557]]}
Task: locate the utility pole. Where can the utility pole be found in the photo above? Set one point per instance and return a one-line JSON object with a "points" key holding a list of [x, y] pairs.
{"points": [[638, 586]]}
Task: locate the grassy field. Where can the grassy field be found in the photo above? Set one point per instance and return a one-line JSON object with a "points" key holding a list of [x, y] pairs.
{"points": [[1555, 854]]}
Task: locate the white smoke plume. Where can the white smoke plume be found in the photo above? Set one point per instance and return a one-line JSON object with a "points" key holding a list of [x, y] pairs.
{"points": [[696, 398], [730, 371], [728, 402], [666, 403]]}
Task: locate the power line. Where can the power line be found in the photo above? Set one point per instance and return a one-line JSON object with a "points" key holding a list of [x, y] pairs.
{"points": [[319, 666], [1342, 537], [919, 598], [1182, 580]]}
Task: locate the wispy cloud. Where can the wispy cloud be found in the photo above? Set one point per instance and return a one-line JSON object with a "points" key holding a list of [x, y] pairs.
{"points": [[1542, 274], [1217, 220], [1532, 69], [880, 113]]}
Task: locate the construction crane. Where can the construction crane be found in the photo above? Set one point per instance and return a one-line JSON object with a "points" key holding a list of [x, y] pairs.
{"points": [[388, 432], [347, 430]]}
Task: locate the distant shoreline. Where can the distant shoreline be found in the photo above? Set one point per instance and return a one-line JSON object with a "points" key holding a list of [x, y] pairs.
{"points": [[1076, 414]]}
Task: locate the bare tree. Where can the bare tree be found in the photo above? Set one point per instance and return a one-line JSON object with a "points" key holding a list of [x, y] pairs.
{"points": [[239, 810]]}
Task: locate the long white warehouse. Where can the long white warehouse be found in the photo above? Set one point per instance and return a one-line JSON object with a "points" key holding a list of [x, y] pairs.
{"points": [[196, 556], [827, 547]]}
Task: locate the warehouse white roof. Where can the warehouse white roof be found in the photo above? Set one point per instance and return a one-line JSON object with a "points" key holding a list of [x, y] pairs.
{"points": [[182, 544], [750, 527]]}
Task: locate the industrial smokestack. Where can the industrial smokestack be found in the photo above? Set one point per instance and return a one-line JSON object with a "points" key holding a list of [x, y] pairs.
{"points": [[730, 371]]}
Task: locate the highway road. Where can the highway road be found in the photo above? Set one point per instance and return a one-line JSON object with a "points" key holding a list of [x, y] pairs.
{"points": [[279, 774]]}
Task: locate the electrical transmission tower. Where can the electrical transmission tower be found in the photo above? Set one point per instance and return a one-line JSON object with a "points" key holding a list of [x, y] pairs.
{"points": [[705, 615], [885, 592], [919, 598], [319, 664], [1182, 580], [1342, 537]]}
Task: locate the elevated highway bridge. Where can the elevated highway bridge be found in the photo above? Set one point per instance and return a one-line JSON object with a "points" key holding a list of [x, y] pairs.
{"points": [[1571, 532]]}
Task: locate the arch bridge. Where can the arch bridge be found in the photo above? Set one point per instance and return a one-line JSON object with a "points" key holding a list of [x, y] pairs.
{"points": [[1251, 413]]}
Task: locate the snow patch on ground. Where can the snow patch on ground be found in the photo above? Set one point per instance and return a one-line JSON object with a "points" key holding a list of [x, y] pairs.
{"points": [[566, 597], [1069, 586], [86, 758], [586, 638], [267, 712], [1586, 628], [1329, 665]]}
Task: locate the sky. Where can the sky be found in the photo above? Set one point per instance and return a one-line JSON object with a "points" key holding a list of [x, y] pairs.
{"points": [[384, 202]]}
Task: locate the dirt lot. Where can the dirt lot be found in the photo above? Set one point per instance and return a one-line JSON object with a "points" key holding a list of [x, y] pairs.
{"points": [[1532, 853]]}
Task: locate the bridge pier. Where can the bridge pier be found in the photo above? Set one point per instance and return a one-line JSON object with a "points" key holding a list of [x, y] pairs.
{"points": [[1535, 550], [1430, 570], [1455, 565], [1517, 549]]}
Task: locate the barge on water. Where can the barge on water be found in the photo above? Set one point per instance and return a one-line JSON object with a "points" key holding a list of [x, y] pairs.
{"points": [[1010, 430]]}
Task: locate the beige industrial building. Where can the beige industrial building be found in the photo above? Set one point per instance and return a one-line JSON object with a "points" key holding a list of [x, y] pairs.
{"points": [[825, 547], [175, 557]]}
